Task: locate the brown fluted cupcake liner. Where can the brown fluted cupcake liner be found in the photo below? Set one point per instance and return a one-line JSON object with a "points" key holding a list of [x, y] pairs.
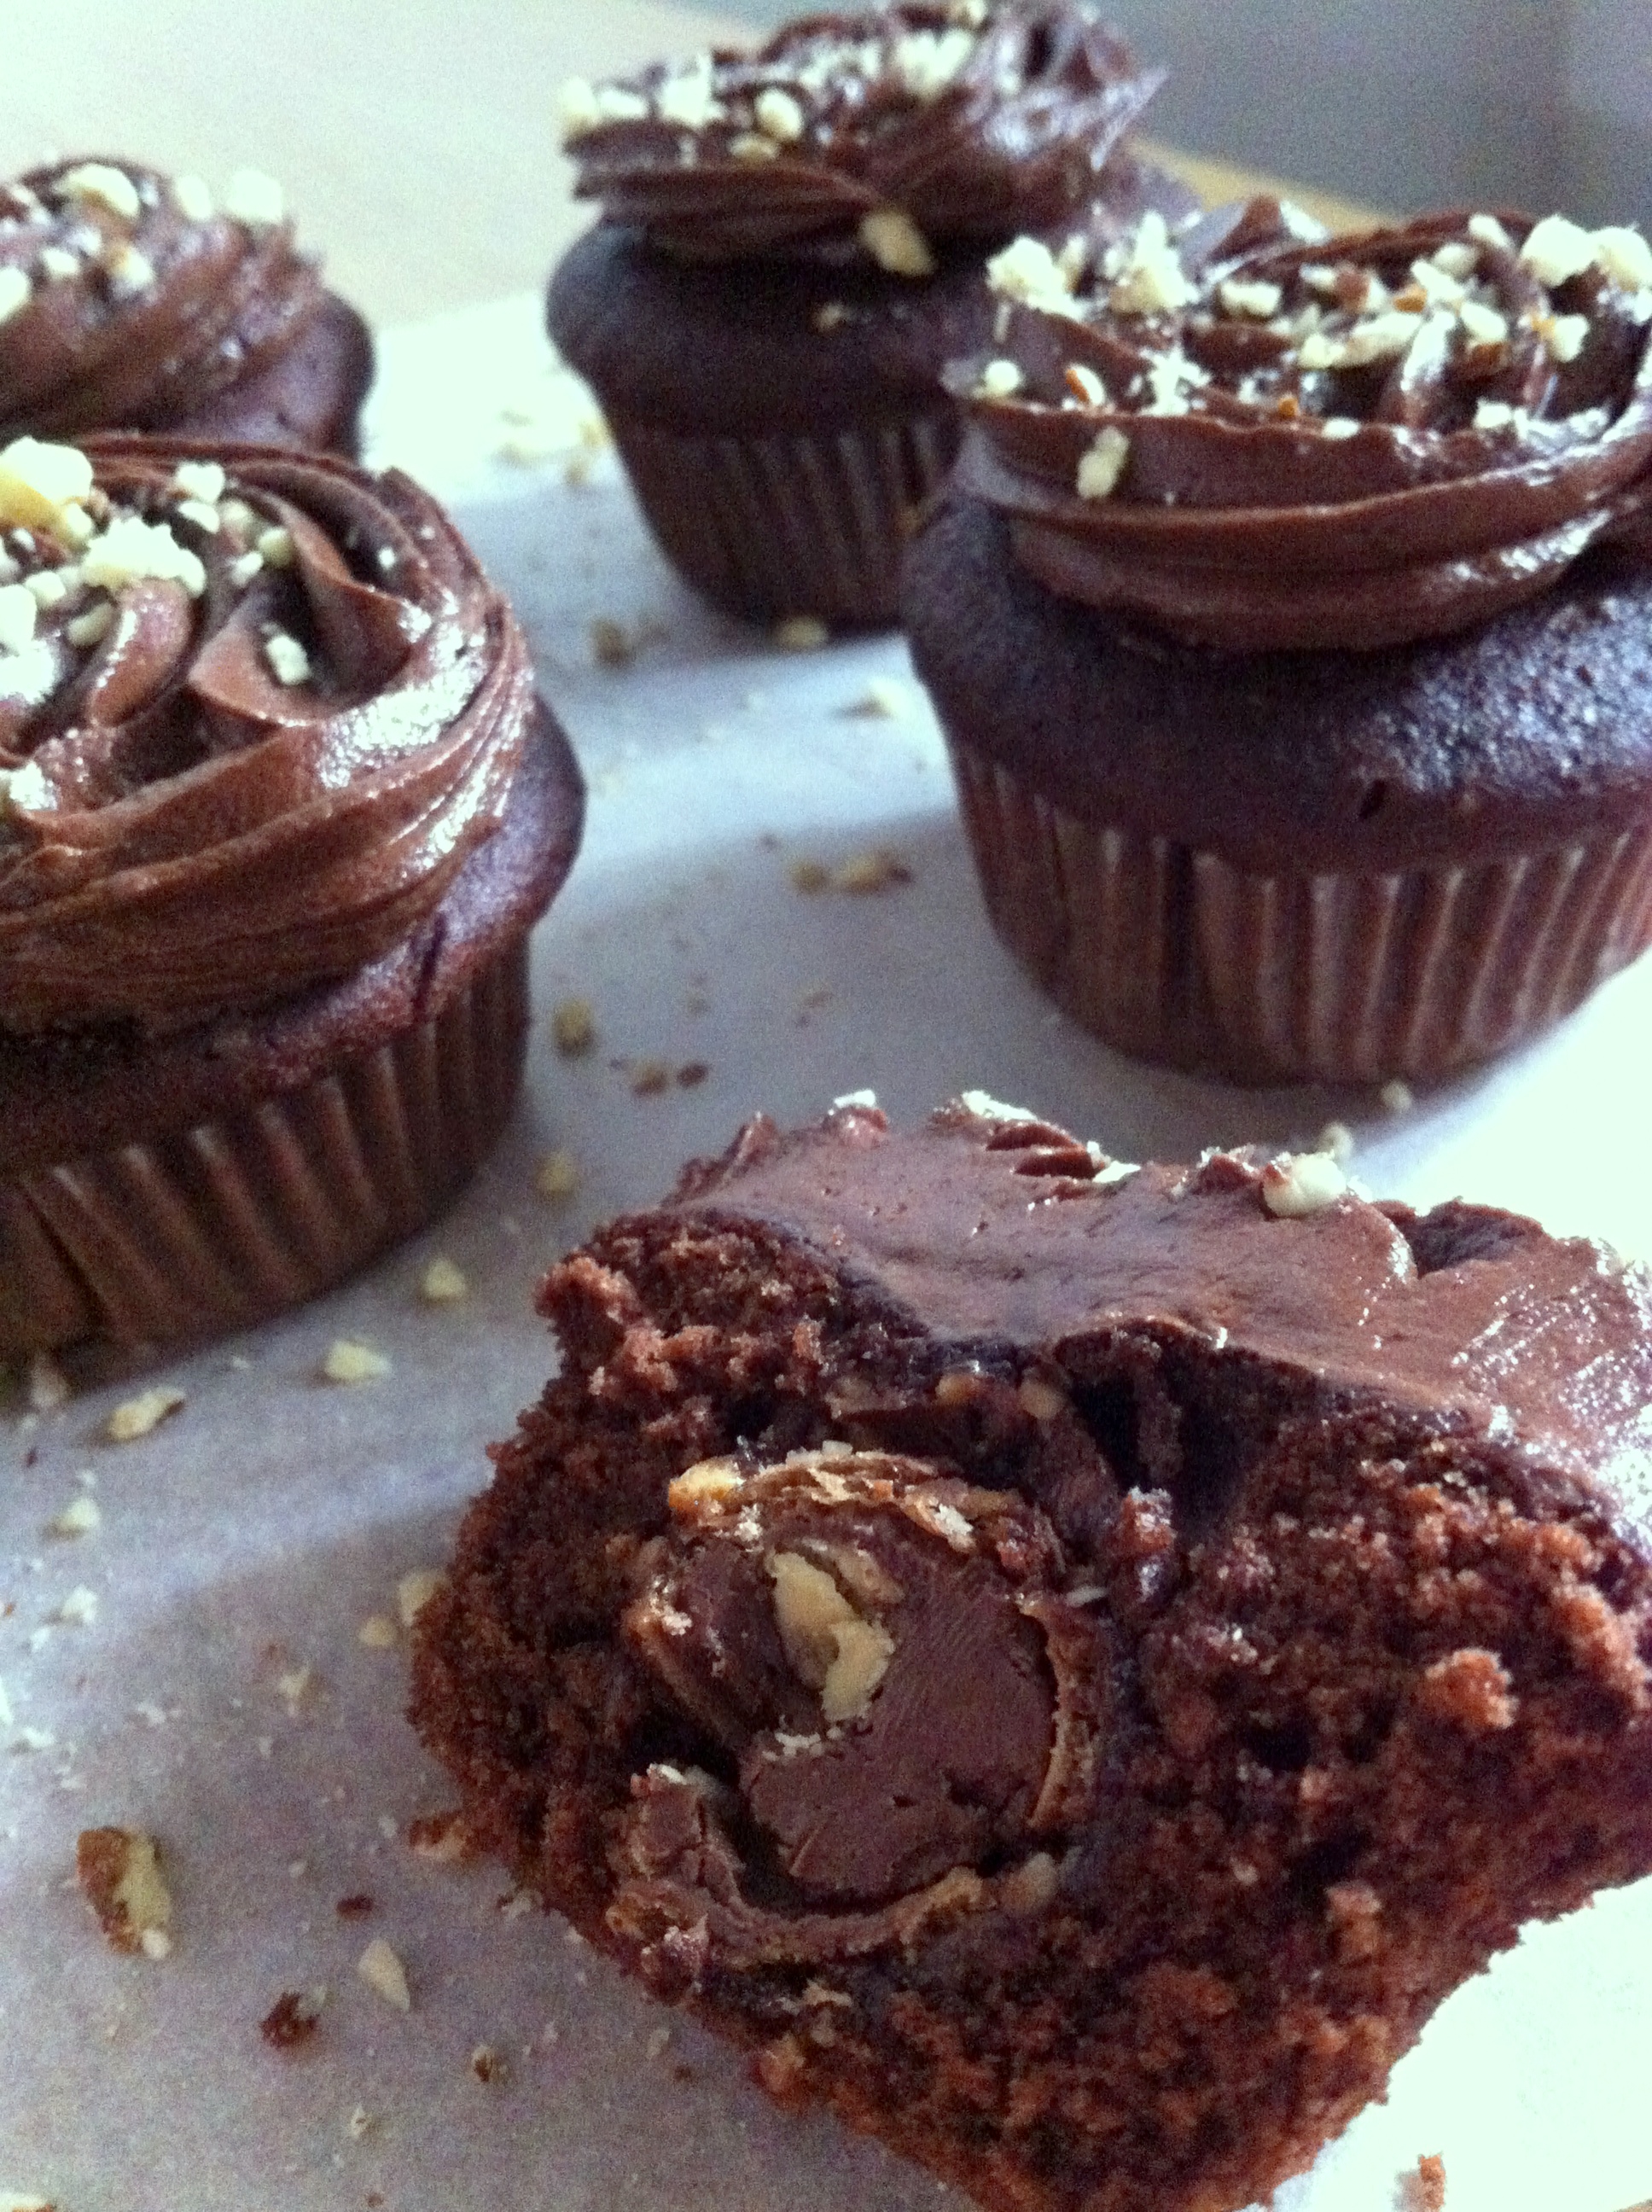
{"points": [[1177, 955], [210, 1227], [768, 527]]}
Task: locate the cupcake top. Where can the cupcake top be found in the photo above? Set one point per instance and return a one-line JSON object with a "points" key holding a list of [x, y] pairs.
{"points": [[875, 134], [255, 710], [129, 300], [1257, 436]]}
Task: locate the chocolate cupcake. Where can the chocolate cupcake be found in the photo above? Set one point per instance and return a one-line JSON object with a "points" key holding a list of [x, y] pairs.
{"points": [[278, 807], [1291, 629], [1070, 1664], [130, 300], [790, 251]]}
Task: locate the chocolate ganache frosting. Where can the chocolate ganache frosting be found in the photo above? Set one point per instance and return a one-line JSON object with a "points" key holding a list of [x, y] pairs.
{"points": [[1255, 438], [133, 300], [876, 132], [255, 711]]}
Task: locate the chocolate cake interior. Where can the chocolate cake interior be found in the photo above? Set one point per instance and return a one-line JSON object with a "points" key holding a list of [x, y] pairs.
{"points": [[1070, 1665]]}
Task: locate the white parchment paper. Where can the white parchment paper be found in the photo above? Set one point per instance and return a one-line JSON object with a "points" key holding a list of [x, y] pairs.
{"points": [[248, 1538]]}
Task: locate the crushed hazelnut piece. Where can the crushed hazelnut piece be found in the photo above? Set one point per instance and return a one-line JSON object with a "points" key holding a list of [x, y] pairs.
{"points": [[752, 146], [353, 1363], [128, 270], [79, 1609], [377, 1633], [385, 1974], [1000, 379], [1029, 274], [1337, 1139], [49, 1390], [1084, 384], [830, 1645], [93, 627], [136, 1417], [289, 663], [16, 292], [1423, 2190], [275, 547], [895, 243], [1624, 256], [40, 483], [414, 1591], [558, 1175], [707, 1481], [801, 634], [778, 115], [118, 1870], [194, 198], [1103, 464], [199, 480], [573, 1027], [1557, 250], [110, 187], [80, 1518], [1296, 1184], [867, 873], [1152, 281], [443, 1283]]}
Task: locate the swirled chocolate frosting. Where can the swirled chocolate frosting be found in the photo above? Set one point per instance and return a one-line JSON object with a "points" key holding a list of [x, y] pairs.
{"points": [[1254, 439], [255, 710], [882, 131], [133, 300]]}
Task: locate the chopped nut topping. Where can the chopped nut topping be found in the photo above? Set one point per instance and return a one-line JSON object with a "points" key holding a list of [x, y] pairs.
{"points": [[58, 265], [573, 1027], [385, 1974], [200, 480], [1296, 1184], [255, 199], [1026, 271], [414, 1591], [1489, 232], [752, 146], [443, 1283], [1259, 300], [131, 550], [129, 270], [558, 1175], [93, 627], [19, 609], [288, 662], [830, 1645], [1337, 1139], [110, 187], [1483, 324], [1100, 467], [689, 100], [1397, 1098], [135, 1417], [709, 1481], [1557, 250], [16, 292], [895, 243], [1000, 379], [1084, 384], [274, 546], [1152, 280], [1624, 257], [831, 314], [778, 116], [353, 1363], [193, 197], [118, 1870], [40, 483]]}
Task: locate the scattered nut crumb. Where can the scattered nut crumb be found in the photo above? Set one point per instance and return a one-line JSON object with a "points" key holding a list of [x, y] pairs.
{"points": [[443, 1283], [1300, 1183], [809, 877], [135, 1417], [801, 634], [118, 1870], [1423, 2190], [347, 1361], [49, 1389], [377, 1632], [885, 699], [20, 2200], [1397, 1098], [443, 1837], [385, 1974], [414, 1591], [79, 1609], [33, 1739], [359, 2122], [1337, 1139], [573, 1027], [355, 1907], [868, 873], [486, 2064], [292, 2019], [558, 1175], [295, 1687], [81, 1517], [780, 2067], [649, 1077], [659, 2042]]}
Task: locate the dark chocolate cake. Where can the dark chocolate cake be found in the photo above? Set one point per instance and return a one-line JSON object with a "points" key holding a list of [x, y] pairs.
{"points": [[1069, 1664]]}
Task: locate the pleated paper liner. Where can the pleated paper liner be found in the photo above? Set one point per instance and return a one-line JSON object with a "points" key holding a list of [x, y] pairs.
{"points": [[1175, 956], [229, 1221], [768, 527]]}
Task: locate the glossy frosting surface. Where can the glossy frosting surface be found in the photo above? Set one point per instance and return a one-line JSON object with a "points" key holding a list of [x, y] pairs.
{"points": [[1256, 439], [133, 300], [971, 121], [268, 705]]}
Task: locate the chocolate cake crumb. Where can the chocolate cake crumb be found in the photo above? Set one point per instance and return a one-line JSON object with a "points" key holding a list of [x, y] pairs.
{"points": [[355, 1907], [292, 2019], [1423, 2190]]}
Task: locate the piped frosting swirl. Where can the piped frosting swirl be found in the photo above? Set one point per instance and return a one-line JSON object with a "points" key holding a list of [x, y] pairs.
{"points": [[1254, 436], [132, 300], [881, 131], [255, 711]]}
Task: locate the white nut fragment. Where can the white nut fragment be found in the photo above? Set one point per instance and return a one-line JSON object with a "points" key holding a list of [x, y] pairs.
{"points": [[275, 547], [289, 663], [414, 1591], [1083, 384], [924, 62], [1557, 250], [91, 628], [347, 1361], [385, 1974], [1487, 230], [689, 100], [1043, 1399], [1103, 463], [193, 196], [778, 116], [895, 243], [79, 1609], [129, 270], [118, 1870], [58, 265], [1258, 298], [1000, 379], [1483, 325], [1624, 256], [1026, 272], [136, 1417], [19, 610], [131, 550], [255, 199], [201, 480], [443, 1283], [377, 1633], [16, 290], [40, 482], [98, 181], [1152, 280], [1564, 337], [81, 1517], [828, 1644], [1296, 1184]]}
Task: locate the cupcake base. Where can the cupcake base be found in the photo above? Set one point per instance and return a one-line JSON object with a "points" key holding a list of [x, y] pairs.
{"points": [[170, 1189], [1286, 867]]}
